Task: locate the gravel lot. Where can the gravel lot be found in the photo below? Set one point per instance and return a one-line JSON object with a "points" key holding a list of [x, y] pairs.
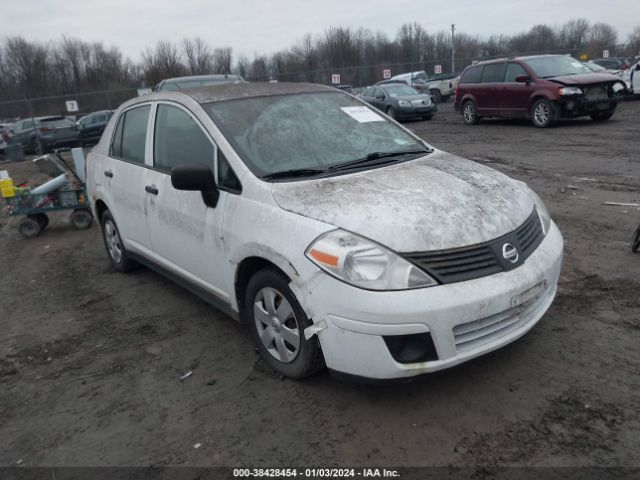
{"points": [[90, 359]]}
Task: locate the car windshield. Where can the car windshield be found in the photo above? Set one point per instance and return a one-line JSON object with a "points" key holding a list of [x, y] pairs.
{"points": [[305, 131], [594, 67], [399, 90], [547, 67]]}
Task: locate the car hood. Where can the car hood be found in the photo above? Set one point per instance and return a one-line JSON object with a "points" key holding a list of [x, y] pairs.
{"points": [[436, 202], [584, 79]]}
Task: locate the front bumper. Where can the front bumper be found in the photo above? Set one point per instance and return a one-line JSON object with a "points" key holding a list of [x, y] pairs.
{"points": [[578, 106], [353, 322], [416, 112]]}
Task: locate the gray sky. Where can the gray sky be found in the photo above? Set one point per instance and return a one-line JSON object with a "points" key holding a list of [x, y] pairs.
{"points": [[264, 26]]}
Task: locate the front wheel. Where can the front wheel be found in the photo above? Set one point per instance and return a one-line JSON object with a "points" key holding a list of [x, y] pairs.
{"points": [[602, 116], [391, 112], [543, 113], [436, 96], [277, 323]]}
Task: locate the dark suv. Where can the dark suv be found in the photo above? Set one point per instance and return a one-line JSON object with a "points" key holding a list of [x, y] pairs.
{"points": [[543, 88]]}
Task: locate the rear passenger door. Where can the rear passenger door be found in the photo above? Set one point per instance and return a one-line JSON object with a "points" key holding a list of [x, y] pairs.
{"points": [[124, 178], [185, 233], [490, 89]]}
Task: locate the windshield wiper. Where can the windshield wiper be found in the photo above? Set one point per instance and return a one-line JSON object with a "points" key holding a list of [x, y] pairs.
{"points": [[293, 172], [373, 156]]}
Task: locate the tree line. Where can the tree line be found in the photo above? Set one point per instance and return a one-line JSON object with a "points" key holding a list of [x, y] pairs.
{"points": [[70, 65]]}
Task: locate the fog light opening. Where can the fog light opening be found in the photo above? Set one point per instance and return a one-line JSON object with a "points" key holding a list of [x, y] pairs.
{"points": [[416, 348]]}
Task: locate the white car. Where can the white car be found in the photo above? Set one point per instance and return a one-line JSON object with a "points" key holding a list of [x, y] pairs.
{"points": [[337, 235], [631, 77]]}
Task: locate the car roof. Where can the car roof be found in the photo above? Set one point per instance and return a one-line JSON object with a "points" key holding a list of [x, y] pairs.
{"points": [[216, 76], [234, 91], [511, 59]]}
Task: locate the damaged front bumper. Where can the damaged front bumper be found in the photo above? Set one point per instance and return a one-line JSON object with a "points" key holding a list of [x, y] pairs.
{"points": [[362, 332], [579, 106]]}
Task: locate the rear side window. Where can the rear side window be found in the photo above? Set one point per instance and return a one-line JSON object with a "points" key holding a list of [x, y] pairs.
{"points": [[493, 73], [179, 139], [131, 135], [514, 70], [472, 75]]}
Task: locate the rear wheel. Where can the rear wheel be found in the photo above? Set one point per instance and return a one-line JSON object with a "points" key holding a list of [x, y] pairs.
{"points": [[112, 242], [602, 116], [469, 113], [436, 96], [543, 113], [277, 323], [36, 147]]}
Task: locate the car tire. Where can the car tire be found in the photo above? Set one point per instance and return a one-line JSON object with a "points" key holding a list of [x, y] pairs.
{"points": [[436, 96], [113, 243], [277, 323], [602, 116], [35, 146], [469, 114], [391, 112], [543, 113]]}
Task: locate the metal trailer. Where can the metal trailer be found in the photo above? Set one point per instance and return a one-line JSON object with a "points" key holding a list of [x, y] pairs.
{"points": [[35, 207]]}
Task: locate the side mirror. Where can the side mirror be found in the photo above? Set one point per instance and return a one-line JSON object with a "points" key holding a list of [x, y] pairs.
{"points": [[196, 177], [523, 79]]}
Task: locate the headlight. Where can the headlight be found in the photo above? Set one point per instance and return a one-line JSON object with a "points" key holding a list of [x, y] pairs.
{"points": [[541, 208], [365, 264], [404, 103], [570, 91]]}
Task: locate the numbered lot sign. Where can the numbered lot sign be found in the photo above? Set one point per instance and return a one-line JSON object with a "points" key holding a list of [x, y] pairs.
{"points": [[335, 78], [386, 73], [438, 69], [605, 54], [72, 105]]}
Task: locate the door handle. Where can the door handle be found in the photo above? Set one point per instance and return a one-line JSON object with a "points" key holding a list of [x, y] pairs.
{"points": [[151, 189], [108, 173]]}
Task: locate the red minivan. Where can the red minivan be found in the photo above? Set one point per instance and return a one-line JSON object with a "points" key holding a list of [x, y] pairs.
{"points": [[543, 88]]}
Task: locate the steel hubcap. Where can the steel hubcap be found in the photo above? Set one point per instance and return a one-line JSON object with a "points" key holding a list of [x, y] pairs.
{"points": [[276, 324], [468, 113], [541, 113], [113, 241]]}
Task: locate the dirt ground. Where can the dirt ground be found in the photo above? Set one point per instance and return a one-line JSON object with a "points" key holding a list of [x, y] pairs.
{"points": [[90, 359]]}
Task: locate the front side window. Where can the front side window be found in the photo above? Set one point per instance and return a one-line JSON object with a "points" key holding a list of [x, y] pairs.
{"points": [[306, 131], [514, 70], [178, 139], [131, 134], [493, 73]]}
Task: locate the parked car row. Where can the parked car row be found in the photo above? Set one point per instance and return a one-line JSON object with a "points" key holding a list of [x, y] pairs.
{"points": [[42, 134], [543, 88]]}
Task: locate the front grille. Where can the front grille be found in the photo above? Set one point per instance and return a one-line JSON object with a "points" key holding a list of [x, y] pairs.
{"points": [[473, 334], [467, 263], [597, 92]]}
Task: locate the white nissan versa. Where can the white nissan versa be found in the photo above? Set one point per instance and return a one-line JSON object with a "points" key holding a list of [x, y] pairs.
{"points": [[337, 235]]}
